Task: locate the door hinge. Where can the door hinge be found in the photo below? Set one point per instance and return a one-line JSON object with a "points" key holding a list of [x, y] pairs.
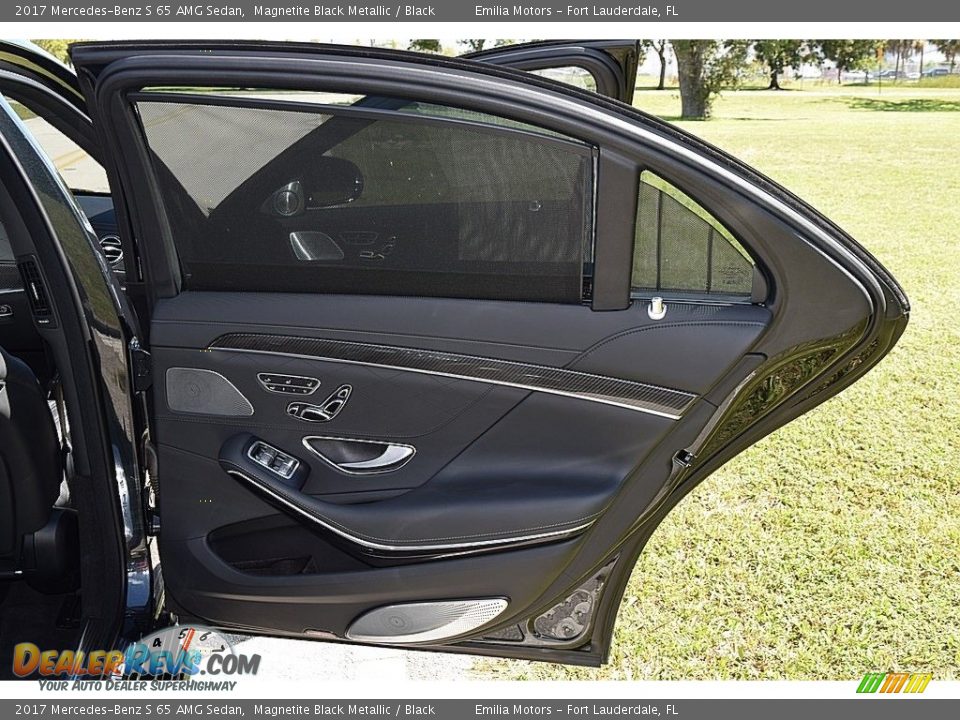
{"points": [[141, 366], [153, 523]]}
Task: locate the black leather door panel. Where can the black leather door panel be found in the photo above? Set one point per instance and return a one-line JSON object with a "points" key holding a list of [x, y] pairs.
{"points": [[548, 467], [328, 602], [553, 334], [497, 464], [439, 416], [676, 350], [491, 461]]}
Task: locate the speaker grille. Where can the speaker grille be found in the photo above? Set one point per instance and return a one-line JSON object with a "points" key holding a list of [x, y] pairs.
{"points": [[204, 392], [425, 621]]}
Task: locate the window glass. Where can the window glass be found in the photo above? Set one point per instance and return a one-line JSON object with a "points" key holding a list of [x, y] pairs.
{"points": [[6, 251], [369, 200], [680, 247], [375, 102], [79, 171], [571, 75]]}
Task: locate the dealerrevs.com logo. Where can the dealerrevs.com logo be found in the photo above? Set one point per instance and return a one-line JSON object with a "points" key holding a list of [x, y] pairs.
{"points": [[179, 657], [900, 682]]}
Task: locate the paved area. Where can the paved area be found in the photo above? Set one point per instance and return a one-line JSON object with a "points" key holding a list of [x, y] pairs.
{"points": [[305, 660], [78, 169]]}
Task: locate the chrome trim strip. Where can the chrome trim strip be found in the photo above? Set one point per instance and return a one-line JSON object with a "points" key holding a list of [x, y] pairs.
{"points": [[554, 534], [387, 462], [627, 394]]}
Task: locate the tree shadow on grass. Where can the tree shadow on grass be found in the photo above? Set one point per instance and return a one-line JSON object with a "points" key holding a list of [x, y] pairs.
{"points": [[913, 105]]}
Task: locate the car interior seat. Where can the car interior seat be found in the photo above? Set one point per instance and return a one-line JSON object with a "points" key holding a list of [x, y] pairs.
{"points": [[38, 541]]}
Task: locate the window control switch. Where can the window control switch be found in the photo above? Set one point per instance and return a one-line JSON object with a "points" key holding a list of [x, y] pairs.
{"points": [[276, 461]]}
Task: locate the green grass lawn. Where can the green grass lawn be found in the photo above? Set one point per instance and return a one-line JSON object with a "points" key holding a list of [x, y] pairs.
{"points": [[832, 547]]}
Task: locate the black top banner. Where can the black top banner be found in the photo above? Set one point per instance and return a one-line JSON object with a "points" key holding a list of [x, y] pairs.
{"points": [[483, 11]]}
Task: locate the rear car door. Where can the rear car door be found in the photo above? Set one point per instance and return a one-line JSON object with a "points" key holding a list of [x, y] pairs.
{"points": [[437, 345]]}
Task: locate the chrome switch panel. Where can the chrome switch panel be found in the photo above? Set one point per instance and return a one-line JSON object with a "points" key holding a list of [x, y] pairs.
{"points": [[288, 384], [325, 412], [272, 459]]}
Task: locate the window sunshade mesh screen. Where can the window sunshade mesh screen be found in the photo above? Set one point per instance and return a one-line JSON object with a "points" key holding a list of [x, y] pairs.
{"points": [[274, 199], [679, 247]]}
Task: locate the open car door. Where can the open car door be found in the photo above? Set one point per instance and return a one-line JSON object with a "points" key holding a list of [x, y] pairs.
{"points": [[47, 94], [437, 345], [608, 67]]}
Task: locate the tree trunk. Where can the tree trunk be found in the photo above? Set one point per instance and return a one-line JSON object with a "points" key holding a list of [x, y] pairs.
{"points": [[662, 54], [692, 105], [774, 81], [693, 97]]}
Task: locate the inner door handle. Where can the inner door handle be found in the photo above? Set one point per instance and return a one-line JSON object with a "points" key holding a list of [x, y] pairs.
{"points": [[360, 457], [392, 455]]}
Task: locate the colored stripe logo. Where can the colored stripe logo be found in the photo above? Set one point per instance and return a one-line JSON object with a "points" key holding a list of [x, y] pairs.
{"points": [[894, 682]]}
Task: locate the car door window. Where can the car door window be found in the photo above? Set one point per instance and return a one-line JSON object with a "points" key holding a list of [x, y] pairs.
{"points": [[571, 75], [79, 171], [680, 247], [405, 201]]}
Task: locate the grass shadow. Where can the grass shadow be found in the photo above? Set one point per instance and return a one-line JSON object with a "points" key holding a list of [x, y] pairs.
{"points": [[912, 105], [724, 118]]}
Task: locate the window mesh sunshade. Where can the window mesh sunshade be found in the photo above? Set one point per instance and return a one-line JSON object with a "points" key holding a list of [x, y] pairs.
{"points": [[447, 208], [678, 249]]}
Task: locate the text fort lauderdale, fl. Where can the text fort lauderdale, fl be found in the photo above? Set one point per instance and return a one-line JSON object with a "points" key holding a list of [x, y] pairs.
{"points": [[619, 11]]}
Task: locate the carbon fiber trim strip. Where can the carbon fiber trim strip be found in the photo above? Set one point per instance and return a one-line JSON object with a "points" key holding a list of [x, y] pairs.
{"points": [[628, 394]]}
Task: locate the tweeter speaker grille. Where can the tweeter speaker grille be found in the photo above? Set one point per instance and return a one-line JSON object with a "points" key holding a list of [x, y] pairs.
{"points": [[204, 392], [424, 621]]}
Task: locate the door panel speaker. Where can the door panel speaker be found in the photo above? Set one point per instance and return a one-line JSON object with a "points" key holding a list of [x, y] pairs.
{"points": [[424, 621], [204, 392]]}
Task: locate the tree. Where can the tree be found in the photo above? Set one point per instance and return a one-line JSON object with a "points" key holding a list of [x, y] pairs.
{"points": [[660, 47], [847, 55], [778, 55], [425, 45], [474, 45], [705, 67], [950, 50], [57, 48]]}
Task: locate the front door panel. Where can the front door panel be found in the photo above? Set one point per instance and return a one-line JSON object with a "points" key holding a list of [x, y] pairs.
{"points": [[442, 392]]}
